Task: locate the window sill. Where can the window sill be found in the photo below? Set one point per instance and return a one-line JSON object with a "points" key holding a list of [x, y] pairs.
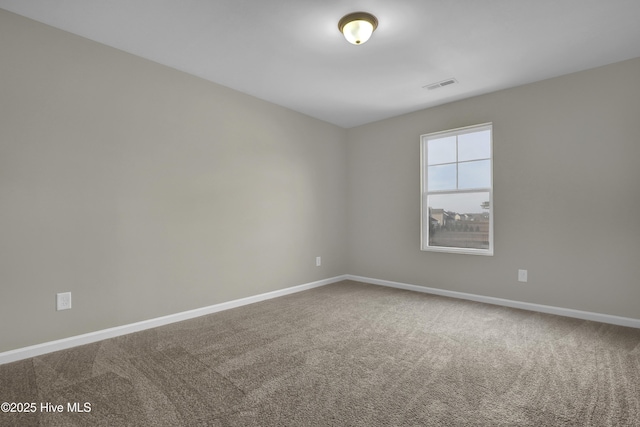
{"points": [[464, 251]]}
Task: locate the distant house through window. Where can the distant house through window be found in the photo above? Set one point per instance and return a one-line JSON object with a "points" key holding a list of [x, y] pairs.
{"points": [[457, 190]]}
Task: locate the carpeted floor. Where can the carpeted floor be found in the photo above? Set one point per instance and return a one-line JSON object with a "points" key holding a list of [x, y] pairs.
{"points": [[347, 354]]}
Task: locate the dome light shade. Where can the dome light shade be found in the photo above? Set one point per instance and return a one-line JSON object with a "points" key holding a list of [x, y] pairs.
{"points": [[357, 27]]}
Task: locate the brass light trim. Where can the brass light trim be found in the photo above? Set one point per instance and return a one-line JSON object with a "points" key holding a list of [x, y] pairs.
{"points": [[358, 16]]}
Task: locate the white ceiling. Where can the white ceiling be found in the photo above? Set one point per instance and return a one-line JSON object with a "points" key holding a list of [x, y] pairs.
{"points": [[290, 52]]}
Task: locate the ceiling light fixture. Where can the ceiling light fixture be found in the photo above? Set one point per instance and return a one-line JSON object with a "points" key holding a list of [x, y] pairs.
{"points": [[357, 27]]}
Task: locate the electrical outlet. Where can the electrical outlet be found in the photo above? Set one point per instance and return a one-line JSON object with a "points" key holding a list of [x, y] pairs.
{"points": [[63, 301], [318, 261], [522, 275]]}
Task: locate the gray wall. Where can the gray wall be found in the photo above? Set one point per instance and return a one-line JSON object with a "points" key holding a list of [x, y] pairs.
{"points": [[145, 191], [566, 194]]}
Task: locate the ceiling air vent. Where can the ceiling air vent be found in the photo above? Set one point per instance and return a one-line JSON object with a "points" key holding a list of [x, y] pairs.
{"points": [[438, 85]]}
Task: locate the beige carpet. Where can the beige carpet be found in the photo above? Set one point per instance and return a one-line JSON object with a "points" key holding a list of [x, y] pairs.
{"points": [[347, 354]]}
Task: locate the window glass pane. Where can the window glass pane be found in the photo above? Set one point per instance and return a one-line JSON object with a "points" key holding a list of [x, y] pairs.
{"points": [[458, 220], [457, 173], [441, 150], [475, 145], [475, 174], [441, 177]]}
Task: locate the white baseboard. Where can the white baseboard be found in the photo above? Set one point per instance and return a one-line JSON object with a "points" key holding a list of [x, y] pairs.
{"points": [[48, 347], [568, 312]]}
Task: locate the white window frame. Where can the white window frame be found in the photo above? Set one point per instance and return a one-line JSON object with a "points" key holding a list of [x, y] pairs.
{"points": [[424, 193]]}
